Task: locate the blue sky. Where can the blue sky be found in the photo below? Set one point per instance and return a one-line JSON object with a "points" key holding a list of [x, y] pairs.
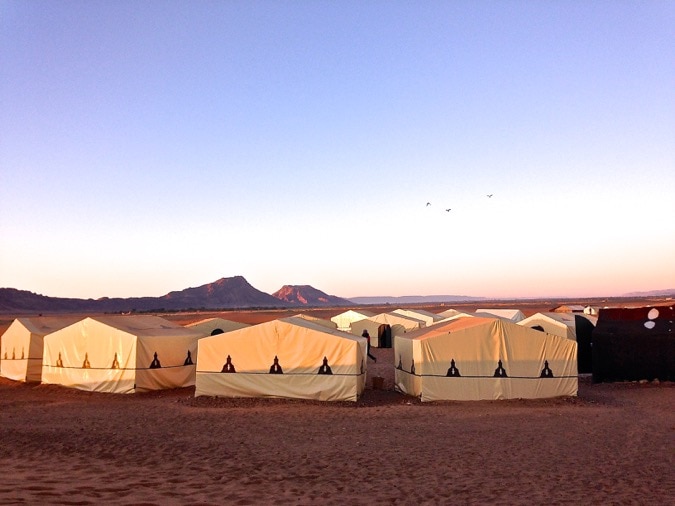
{"points": [[151, 146]]}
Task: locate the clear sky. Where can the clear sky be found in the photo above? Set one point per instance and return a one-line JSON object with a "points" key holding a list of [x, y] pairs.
{"points": [[153, 146]]}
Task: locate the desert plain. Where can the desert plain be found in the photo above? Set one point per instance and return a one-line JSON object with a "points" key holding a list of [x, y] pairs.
{"points": [[614, 443]]}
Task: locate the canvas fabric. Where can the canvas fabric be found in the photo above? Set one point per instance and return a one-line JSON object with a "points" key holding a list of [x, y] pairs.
{"points": [[22, 343], [116, 354], [299, 346], [477, 345]]}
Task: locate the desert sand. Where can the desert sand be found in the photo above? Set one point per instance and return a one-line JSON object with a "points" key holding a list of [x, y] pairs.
{"points": [[613, 444]]}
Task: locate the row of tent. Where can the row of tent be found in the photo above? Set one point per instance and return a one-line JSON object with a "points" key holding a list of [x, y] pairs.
{"points": [[451, 355]]}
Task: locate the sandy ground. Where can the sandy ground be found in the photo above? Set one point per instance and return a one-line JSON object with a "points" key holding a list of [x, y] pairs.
{"points": [[613, 444]]}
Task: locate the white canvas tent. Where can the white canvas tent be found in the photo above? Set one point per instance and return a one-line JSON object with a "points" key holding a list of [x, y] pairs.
{"points": [[288, 358], [214, 326], [484, 358], [344, 320], [514, 315], [427, 317], [121, 354], [22, 342], [558, 324]]}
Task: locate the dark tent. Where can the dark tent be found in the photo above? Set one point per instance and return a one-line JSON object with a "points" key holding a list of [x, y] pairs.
{"points": [[584, 329], [634, 344]]}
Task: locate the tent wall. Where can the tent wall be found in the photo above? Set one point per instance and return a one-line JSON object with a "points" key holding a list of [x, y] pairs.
{"points": [[344, 320], [298, 346], [634, 344], [584, 333], [478, 347], [22, 345], [117, 355]]}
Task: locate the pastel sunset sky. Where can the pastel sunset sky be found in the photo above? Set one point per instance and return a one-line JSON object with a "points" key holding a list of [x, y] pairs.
{"points": [[153, 146]]}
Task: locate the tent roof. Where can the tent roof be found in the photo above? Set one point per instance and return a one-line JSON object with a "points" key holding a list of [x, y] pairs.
{"points": [[564, 318], [43, 325], [308, 324], [208, 325], [144, 325], [515, 315], [448, 327]]}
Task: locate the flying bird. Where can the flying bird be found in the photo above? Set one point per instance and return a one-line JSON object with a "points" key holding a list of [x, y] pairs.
{"points": [[428, 203], [448, 210], [490, 196]]}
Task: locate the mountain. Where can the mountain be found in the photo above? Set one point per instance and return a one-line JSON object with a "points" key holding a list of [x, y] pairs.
{"points": [[226, 293], [306, 295], [414, 299]]}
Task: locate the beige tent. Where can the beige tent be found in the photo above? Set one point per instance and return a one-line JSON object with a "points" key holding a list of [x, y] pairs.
{"points": [[21, 355], [374, 329], [427, 317], [344, 320], [289, 358], [558, 324], [214, 326], [514, 315], [484, 358], [408, 322], [121, 354], [319, 321]]}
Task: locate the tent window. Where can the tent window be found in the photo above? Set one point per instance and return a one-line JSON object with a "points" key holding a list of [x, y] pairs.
{"points": [[217, 331], [276, 368], [546, 372], [500, 372], [228, 366], [325, 368], [453, 372], [188, 359], [155, 363]]}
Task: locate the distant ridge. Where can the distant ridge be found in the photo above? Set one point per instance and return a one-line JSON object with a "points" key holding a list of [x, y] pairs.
{"points": [[226, 293], [651, 293], [306, 295], [414, 299]]}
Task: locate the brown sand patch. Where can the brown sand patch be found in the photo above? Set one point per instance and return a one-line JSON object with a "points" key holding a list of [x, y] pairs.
{"points": [[612, 444]]}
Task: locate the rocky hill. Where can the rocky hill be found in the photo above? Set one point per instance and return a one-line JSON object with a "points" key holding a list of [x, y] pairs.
{"points": [[306, 295], [226, 293]]}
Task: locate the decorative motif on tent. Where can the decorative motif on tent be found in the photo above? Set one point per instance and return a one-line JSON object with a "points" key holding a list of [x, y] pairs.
{"points": [[500, 372], [325, 368], [5, 357], [546, 372], [400, 363], [228, 366], [362, 367], [86, 364], [155, 363], [59, 362], [13, 353], [22, 353], [538, 327], [115, 364], [215, 332], [188, 359], [412, 367], [276, 368], [453, 372]]}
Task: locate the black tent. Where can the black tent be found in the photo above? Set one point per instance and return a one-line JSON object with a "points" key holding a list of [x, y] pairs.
{"points": [[634, 344]]}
